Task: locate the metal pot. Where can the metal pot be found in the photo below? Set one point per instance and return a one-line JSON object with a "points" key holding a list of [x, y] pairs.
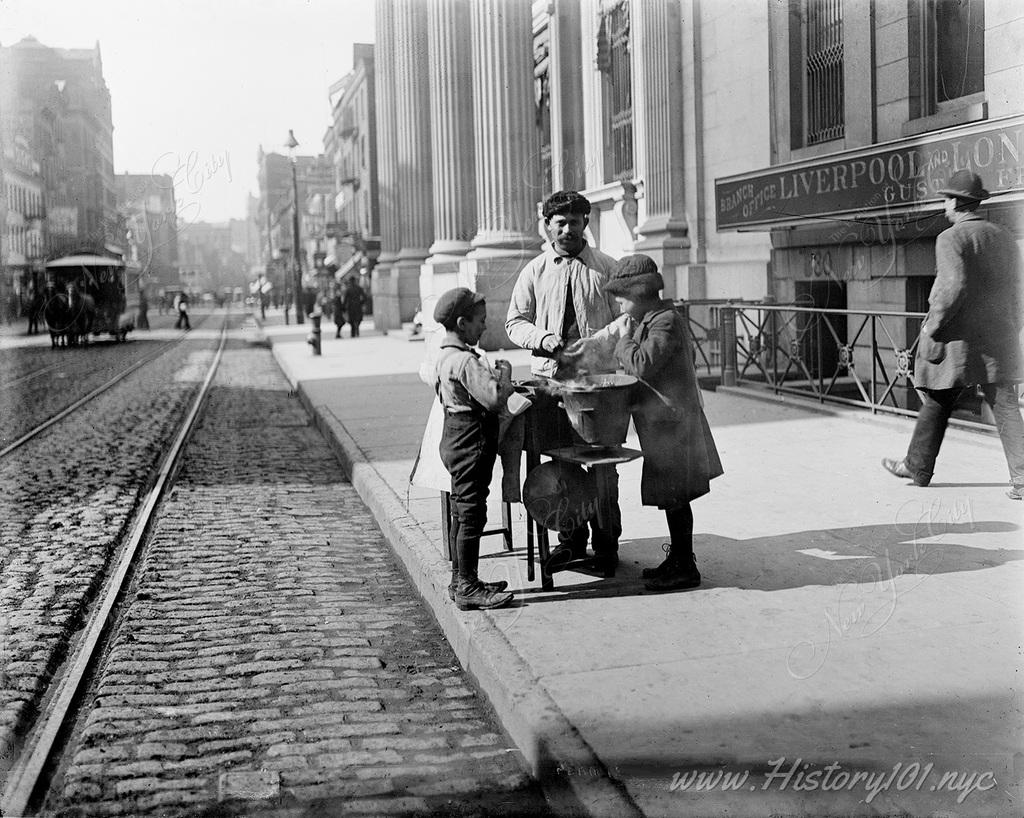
{"points": [[560, 496], [598, 407]]}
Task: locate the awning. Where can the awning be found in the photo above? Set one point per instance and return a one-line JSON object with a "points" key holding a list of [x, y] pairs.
{"points": [[354, 261], [84, 261]]}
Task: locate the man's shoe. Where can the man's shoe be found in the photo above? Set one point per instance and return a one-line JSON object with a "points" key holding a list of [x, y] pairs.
{"points": [[675, 577], [500, 585], [474, 596], [605, 563], [559, 559], [658, 570], [1016, 493], [900, 469]]}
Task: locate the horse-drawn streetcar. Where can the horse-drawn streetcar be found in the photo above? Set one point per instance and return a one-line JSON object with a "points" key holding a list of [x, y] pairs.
{"points": [[85, 295]]}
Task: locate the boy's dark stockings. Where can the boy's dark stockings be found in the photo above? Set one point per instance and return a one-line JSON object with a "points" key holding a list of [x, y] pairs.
{"points": [[680, 529]]}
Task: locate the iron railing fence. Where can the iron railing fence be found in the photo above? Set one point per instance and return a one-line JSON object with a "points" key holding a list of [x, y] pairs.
{"points": [[853, 357]]}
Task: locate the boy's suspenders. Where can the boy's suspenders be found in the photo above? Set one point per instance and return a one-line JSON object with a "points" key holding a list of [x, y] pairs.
{"points": [[437, 383]]}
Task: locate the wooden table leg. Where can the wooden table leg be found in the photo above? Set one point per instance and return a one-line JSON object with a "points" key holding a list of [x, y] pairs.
{"points": [[602, 481]]}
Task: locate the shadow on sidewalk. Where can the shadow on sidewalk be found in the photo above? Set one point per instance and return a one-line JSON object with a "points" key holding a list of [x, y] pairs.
{"points": [[862, 555]]}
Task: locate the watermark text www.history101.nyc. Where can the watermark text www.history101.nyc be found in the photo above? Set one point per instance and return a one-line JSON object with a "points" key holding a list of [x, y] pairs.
{"points": [[799, 776]]}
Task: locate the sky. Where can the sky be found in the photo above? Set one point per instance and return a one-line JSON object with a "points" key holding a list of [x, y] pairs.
{"points": [[197, 86]]}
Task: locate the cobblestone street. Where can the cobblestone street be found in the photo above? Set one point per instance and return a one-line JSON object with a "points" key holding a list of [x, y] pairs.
{"points": [[272, 656]]}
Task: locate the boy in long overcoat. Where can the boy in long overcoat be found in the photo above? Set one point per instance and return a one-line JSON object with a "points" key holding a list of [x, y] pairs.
{"points": [[680, 457]]}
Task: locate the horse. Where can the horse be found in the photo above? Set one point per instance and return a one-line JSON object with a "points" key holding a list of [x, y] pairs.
{"points": [[57, 316], [82, 310]]}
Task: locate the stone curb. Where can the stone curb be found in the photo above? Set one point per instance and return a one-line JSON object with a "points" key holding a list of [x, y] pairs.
{"points": [[574, 779]]}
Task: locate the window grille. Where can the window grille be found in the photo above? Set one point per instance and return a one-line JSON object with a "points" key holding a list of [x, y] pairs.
{"points": [[823, 66], [614, 62]]}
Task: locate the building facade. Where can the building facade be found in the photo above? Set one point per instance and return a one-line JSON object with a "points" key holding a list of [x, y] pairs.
{"points": [[211, 263], [353, 233], [875, 106], [313, 175], [21, 229], [147, 204], [485, 108], [57, 100]]}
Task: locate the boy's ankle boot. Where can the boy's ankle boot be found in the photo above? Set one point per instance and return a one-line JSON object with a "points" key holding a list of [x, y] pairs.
{"points": [[675, 574], [660, 568], [500, 585], [473, 595]]}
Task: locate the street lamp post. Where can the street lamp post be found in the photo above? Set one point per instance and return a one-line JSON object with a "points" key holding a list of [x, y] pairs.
{"points": [[292, 144]]}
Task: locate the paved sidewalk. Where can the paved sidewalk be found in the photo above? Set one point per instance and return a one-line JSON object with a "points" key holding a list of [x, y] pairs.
{"points": [[853, 642]]}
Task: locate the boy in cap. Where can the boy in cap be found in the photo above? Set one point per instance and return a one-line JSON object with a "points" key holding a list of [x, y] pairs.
{"points": [[472, 395], [651, 342]]}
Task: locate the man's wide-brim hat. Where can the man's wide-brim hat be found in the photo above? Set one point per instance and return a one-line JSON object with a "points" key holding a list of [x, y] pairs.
{"points": [[965, 185], [634, 275]]}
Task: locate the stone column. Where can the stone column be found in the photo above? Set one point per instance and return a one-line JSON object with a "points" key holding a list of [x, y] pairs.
{"points": [[412, 148], [507, 148], [384, 283], [449, 33], [658, 137], [451, 125]]}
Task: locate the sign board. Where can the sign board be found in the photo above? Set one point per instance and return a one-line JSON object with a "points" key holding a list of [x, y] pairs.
{"points": [[876, 180]]}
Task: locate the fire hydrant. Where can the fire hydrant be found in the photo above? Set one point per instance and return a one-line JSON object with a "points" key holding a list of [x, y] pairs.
{"points": [[313, 339]]}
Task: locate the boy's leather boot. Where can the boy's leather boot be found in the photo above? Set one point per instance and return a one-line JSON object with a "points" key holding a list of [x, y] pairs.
{"points": [[500, 585], [658, 570], [473, 595], [675, 575]]}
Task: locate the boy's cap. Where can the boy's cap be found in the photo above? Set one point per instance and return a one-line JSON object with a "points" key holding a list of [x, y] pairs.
{"points": [[635, 274], [455, 304]]}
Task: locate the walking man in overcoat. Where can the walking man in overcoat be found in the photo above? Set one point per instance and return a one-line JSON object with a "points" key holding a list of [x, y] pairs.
{"points": [[971, 336], [353, 303]]}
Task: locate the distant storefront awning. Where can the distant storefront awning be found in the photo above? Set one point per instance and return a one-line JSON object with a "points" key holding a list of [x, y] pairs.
{"points": [[353, 263], [878, 181], [85, 261]]}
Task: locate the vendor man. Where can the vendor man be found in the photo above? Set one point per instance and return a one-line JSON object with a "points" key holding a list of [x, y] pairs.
{"points": [[557, 299]]}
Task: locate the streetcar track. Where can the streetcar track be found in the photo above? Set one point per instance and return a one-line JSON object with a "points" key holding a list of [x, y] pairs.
{"points": [[27, 777], [29, 376], [95, 393]]}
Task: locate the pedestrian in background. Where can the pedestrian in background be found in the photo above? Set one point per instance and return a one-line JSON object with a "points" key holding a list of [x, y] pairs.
{"points": [[35, 308], [353, 303], [181, 307], [472, 396], [558, 299], [142, 320], [971, 336], [338, 310]]}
